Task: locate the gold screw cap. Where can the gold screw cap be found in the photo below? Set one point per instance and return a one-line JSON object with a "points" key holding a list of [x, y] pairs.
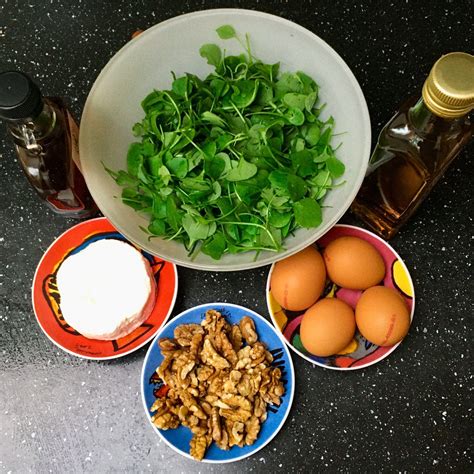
{"points": [[449, 89]]}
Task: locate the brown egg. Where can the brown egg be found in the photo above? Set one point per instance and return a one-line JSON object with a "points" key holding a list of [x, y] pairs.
{"points": [[298, 281], [353, 263], [327, 327], [382, 316]]}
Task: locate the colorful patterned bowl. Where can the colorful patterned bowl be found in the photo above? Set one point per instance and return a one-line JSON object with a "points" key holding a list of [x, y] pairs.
{"points": [[179, 438], [360, 353], [46, 299]]}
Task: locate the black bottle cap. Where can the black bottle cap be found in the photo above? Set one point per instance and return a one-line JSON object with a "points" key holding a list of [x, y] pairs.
{"points": [[20, 97]]}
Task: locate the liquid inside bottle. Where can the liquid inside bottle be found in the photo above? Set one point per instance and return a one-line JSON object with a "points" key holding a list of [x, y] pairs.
{"points": [[48, 152], [413, 151]]}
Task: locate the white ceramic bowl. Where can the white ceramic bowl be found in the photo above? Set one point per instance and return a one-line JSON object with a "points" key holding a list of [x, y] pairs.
{"points": [[113, 106]]}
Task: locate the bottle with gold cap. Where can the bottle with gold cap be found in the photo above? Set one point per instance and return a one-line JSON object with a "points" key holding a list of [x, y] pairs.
{"points": [[417, 145]]}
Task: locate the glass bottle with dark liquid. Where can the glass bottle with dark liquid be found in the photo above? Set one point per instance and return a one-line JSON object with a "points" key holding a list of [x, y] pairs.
{"points": [[45, 136], [417, 145]]}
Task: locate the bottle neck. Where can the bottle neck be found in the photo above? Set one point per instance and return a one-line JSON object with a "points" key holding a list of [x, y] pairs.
{"points": [[29, 131], [427, 123]]}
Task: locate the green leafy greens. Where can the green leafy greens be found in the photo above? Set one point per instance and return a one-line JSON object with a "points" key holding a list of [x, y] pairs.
{"points": [[234, 162]]}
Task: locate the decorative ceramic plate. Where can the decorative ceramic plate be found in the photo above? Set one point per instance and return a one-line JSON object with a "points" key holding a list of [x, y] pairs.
{"points": [[360, 352], [47, 303], [179, 438]]}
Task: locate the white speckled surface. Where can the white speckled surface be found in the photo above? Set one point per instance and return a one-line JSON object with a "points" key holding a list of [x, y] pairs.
{"points": [[410, 413]]}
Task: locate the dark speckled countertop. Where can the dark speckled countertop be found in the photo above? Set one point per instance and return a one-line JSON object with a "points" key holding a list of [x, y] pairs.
{"points": [[411, 412]]}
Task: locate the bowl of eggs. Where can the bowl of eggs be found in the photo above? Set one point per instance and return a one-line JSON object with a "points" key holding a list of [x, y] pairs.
{"points": [[345, 302]]}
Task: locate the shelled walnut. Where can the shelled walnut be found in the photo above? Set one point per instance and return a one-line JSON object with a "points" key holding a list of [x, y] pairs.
{"points": [[220, 382]]}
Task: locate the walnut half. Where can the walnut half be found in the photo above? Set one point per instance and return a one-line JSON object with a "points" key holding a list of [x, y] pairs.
{"points": [[247, 327]]}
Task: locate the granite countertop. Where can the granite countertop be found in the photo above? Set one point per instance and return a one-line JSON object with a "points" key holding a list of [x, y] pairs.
{"points": [[410, 412]]}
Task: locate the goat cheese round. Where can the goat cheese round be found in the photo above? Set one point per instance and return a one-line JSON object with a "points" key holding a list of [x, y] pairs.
{"points": [[106, 290]]}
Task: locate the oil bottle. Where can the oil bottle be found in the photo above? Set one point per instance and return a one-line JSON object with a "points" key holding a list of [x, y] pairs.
{"points": [[45, 136], [417, 145]]}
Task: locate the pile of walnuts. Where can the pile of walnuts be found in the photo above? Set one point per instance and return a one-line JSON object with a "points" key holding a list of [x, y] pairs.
{"points": [[218, 386]]}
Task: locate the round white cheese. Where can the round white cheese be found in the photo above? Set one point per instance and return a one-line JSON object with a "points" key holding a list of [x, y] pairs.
{"points": [[106, 290]]}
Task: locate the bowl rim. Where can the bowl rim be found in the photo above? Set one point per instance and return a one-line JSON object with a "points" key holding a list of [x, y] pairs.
{"points": [[291, 376], [217, 265], [367, 364]]}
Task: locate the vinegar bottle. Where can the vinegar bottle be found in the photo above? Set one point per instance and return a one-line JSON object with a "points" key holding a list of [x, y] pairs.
{"points": [[45, 136], [417, 145]]}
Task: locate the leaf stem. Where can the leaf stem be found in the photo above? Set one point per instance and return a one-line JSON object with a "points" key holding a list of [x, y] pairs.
{"points": [[260, 226]]}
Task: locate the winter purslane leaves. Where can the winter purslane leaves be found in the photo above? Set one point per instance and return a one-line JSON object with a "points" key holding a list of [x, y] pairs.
{"points": [[234, 162]]}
